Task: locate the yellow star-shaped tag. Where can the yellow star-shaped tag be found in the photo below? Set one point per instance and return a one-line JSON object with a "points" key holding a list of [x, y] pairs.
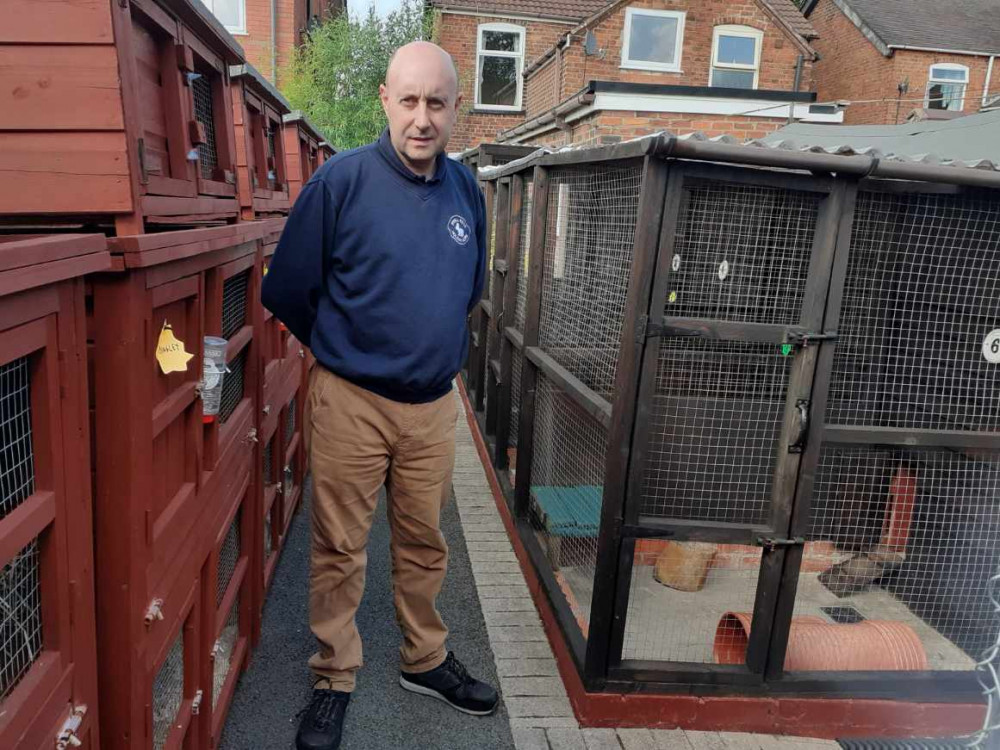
{"points": [[170, 351]]}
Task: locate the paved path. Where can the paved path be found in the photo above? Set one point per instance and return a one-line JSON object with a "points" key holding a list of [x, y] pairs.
{"points": [[382, 716]]}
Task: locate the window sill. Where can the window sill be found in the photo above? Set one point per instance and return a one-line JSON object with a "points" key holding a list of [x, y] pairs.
{"points": [[504, 112], [653, 68]]}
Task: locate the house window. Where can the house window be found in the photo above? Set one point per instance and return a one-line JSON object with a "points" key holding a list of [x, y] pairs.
{"points": [[946, 87], [231, 13], [500, 60], [652, 39], [735, 57]]}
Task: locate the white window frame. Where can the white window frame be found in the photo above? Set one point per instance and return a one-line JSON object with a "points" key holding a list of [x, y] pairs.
{"points": [[628, 62], [507, 28], [931, 80], [748, 32], [242, 5]]}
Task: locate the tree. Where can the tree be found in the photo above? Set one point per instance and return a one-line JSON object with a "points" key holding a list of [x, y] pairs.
{"points": [[335, 75]]}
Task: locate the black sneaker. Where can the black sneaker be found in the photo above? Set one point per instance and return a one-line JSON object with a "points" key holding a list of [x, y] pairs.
{"points": [[323, 723], [453, 685]]}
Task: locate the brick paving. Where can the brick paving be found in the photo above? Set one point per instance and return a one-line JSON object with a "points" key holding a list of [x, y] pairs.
{"points": [[541, 717]]}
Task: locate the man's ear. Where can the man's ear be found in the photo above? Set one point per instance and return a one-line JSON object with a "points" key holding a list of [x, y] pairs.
{"points": [[458, 102], [383, 95]]}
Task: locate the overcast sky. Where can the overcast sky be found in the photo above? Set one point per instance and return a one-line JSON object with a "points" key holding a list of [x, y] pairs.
{"points": [[382, 6]]}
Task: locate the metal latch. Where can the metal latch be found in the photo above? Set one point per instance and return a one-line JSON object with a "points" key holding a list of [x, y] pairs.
{"points": [[799, 338], [771, 544], [196, 702], [67, 733], [154, 612]]}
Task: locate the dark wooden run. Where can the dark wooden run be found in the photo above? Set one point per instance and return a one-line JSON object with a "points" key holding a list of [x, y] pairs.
{"points": [[752, 367]]}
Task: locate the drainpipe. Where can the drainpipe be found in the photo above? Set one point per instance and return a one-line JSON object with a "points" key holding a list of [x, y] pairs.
{"points": [[274, 42], [798, 73], [986, 84]]}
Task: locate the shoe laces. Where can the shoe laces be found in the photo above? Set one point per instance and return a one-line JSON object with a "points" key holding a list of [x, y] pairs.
{"points": [[325, 704], [457, 668]]}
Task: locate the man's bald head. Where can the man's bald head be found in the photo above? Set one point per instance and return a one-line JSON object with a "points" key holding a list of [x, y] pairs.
{"points": [[422, 54], [420, 97]]}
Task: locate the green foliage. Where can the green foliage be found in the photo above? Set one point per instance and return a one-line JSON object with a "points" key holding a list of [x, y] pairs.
{"points": [[335, 75]]}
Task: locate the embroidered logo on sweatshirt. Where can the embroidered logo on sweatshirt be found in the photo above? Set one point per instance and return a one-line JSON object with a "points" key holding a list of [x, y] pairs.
{"points": [[459, 229]]}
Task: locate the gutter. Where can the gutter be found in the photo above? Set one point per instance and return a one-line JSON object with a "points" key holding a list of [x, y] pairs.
{"points": [[914, 48], [553, 116]]}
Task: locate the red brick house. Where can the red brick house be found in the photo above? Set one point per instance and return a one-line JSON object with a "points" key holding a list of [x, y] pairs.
{"points": [[269, 30], [492, 43], [631, 67], [889, 57]]}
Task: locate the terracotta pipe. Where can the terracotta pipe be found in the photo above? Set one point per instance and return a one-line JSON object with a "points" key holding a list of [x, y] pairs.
{"points": [[817, 645]]}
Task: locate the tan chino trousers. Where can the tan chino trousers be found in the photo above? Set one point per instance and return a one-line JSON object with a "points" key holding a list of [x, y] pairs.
{"points": [[359, 441]]}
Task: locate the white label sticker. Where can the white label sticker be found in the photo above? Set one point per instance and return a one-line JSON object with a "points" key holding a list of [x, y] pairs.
{"points": [[991, 346], [723, 270], [675, 264]]}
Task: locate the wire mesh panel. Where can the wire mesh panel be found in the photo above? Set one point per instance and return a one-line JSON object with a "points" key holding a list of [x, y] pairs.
{"points": [[234, 303], [492, 241], [17, 462], [267, 472], [589, 237], [267, 537], [20, 617], [229, 556], [679, 597], [515, 397], [290, 420], [168, 692], [904, 541], [204, 112], [567, 484], [741, 253], [716, 420], [922, 296], [222, 653], [524, 257], [232, 386]]}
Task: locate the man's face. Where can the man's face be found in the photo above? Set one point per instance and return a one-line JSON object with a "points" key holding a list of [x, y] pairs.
{"points": [[421, 101]]}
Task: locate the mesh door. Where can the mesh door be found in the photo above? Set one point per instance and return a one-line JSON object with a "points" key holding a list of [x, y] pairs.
{"points": [[168, 692], [229, 556], [741, 254], [17, 462], [268, 461], [225, 645], [234, 303], [204, 112], [267, 537], [290, 420], [20, 585], [232, 386], [20, 617]]}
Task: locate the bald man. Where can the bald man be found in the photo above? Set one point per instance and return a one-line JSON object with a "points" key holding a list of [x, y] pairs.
{"points": [[378, 267]]}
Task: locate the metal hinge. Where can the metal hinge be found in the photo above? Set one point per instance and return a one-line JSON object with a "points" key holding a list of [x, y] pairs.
{"points": [[771, 544], [796, 338], [67, 733], [651, 329], [196, 702], [251, 437]]}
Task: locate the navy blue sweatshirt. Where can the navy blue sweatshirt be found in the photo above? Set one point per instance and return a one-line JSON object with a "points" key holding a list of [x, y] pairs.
{"points": [[378, 268]]}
